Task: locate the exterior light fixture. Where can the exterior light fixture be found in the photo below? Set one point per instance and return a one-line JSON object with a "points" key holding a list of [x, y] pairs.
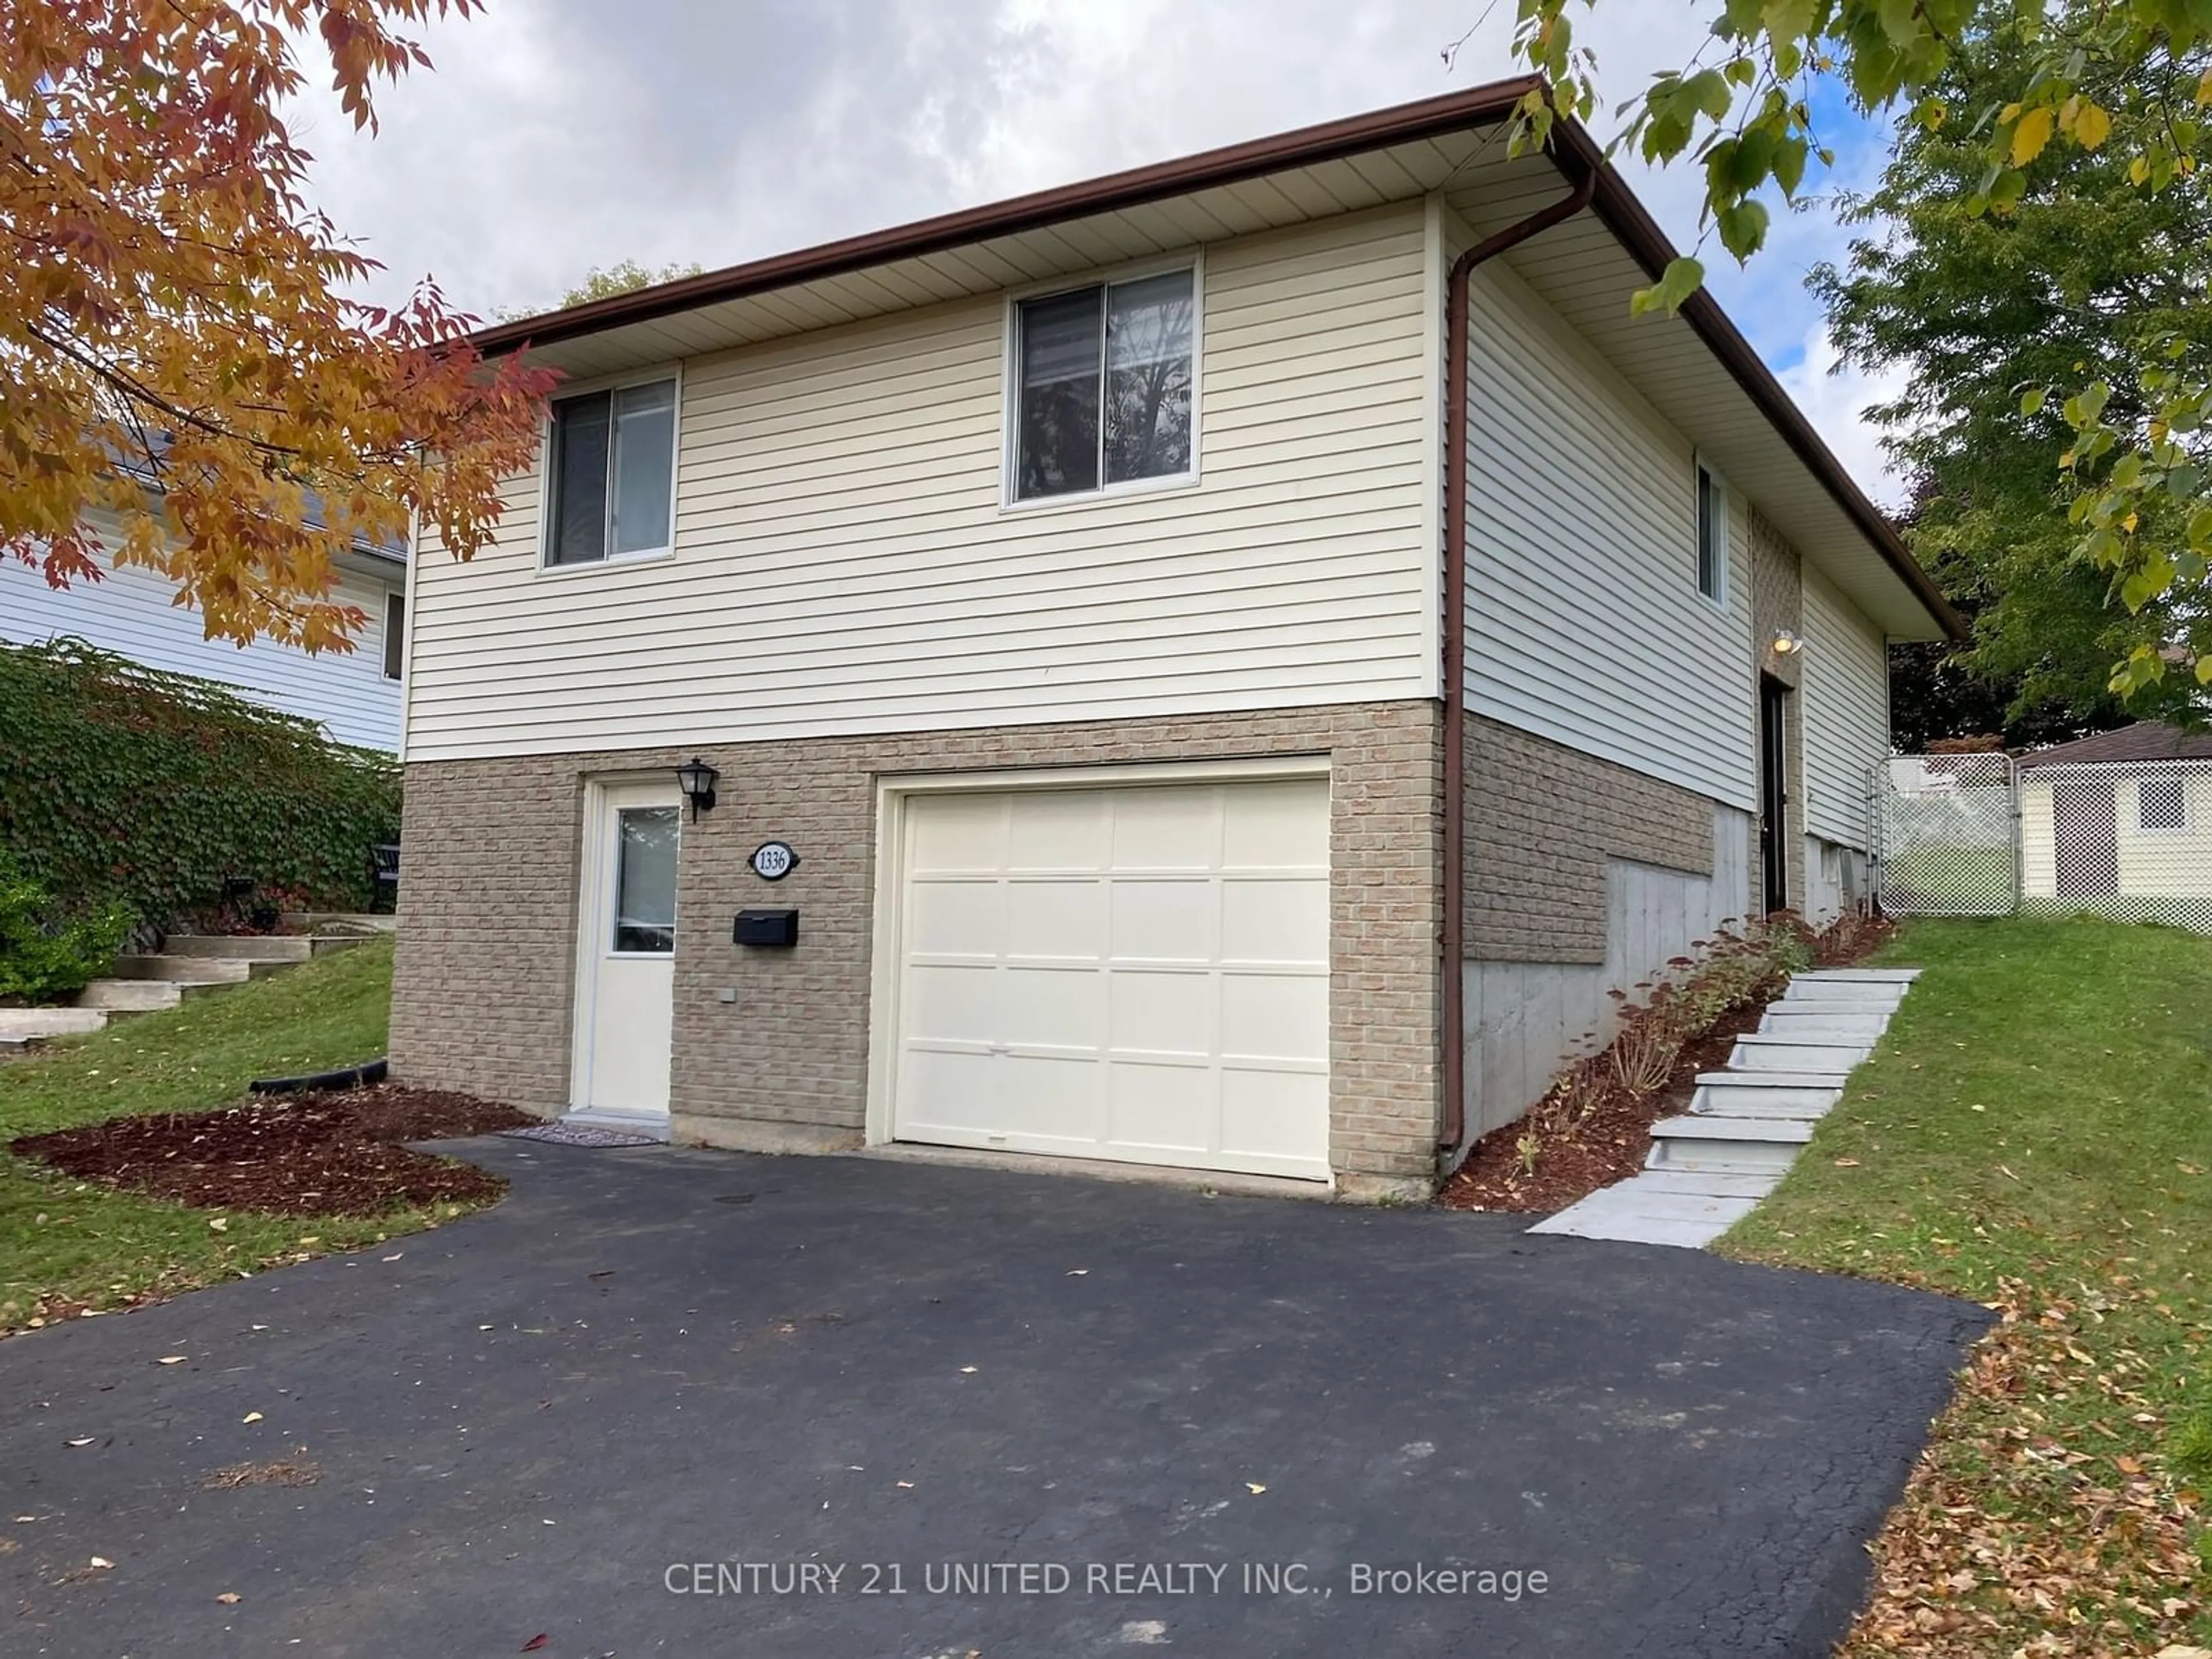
{"points": [[697, 780], [1786, 644]]}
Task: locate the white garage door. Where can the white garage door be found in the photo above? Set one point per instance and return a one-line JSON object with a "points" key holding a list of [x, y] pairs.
{"points": [[1135, 973]]}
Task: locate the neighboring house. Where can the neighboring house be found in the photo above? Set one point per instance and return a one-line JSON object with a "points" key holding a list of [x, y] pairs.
{"points": [[1065, 583], [354, 696], [2120, 823]]}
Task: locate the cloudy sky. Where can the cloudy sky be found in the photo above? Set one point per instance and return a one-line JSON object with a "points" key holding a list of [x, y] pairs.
{"points": [[558, 135]]}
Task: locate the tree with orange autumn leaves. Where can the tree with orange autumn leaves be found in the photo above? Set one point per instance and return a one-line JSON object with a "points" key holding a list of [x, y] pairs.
{"points": [[185, 383]]}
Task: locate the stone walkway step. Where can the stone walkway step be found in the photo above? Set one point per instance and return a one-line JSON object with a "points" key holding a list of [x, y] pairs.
{"points": [[1781, 1051], [189, 970], [257, 947], [33, 1023], [1636, 1211], [1708, 1169]]}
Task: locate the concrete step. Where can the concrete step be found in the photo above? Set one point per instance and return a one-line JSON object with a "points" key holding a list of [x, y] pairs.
{"points": [[191, 970], [1803, 1017], [1865, 975], [143, 996], [1737, 1146], [357, 923], [251, 947], [1857, 994], [1707, 1183], [36, 1023], [1801, 1095], [1779, 1051], [1648, 1209]]}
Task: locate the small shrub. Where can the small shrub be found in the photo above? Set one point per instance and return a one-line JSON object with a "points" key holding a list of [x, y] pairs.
{"points": [[2190, 1451], [47, 951]]}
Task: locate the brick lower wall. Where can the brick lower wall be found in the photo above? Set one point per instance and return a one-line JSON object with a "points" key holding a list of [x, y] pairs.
{"points": [[482, 1000], [1542, 822]]}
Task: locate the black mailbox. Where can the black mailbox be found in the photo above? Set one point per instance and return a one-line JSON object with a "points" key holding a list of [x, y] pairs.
{"points": [[766, 927]]}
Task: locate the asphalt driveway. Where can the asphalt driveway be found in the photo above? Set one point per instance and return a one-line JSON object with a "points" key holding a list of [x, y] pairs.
{"points": [[629, 1408]]}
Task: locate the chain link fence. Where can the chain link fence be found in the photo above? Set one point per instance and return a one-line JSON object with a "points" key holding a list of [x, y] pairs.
{"points": [[1944, 831], [1977, 836], [2131, 840]]}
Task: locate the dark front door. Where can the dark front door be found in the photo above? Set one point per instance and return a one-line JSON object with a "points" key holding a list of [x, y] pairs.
{"points": [[1773, 795], [2085, 822]]}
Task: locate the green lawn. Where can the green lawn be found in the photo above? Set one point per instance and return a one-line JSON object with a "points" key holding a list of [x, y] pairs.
{"points": [[2035, 1132], [65, 1245]]}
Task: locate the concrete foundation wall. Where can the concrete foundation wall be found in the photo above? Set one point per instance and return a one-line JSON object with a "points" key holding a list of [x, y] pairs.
{"points": [[1524, 1020], [487, 948]]}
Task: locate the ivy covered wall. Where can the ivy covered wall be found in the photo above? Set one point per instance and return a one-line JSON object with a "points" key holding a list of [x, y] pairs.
{"points": [[169, 793]]}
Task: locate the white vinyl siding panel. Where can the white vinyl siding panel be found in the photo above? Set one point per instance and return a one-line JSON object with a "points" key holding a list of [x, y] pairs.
{"points": [[131, 614], [844, 563], [1846, 710], [1585, 624]]}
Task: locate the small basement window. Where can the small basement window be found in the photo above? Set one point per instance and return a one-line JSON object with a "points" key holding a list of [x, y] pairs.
{"points": [[1102, 384], [2162, 803], [1713, 536], [613, 463]]}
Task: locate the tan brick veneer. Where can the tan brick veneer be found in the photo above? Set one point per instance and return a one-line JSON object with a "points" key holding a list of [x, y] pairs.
{"points": [[487, 916], [1542, 821]]}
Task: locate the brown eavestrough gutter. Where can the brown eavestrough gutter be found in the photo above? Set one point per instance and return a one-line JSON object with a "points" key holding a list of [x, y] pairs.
{"points": [[1453, 1072]]}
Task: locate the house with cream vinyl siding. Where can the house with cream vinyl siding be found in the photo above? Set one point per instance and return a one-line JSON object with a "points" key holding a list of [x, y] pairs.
{"points": [[1163, 690]]}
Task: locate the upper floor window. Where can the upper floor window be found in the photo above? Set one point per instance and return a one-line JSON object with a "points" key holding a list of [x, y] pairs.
{"points": [[613, 463], [2162, 803], [1713, 536], [395, 634], [1102, 380]]}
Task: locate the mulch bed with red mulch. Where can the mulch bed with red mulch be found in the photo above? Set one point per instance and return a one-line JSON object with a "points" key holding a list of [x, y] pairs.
{"points": [[334, 1152], [1573, 1160]]}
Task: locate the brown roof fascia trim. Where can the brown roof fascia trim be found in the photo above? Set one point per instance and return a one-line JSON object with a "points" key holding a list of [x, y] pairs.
{"points": [[1330, 141], [1575, 153]]}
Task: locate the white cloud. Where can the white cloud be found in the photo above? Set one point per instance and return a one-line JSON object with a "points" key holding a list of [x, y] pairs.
{"points": [[562, 134]]}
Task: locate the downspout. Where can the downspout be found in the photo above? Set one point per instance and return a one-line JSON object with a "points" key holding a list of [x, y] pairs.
{"points": [[1452, 1010]]}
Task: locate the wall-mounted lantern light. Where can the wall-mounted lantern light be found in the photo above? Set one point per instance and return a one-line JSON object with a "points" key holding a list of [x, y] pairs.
{"points": [[697, 780], [1786, 644]]}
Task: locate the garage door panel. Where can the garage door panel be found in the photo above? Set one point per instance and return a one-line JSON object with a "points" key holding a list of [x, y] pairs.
{"points": [[1137, 973], [1275, 1017], [1274, 920], [1160, 1013], [1269, 826], [1060, 1102], [1166, 1108], [1057, 829], [1168, 828], [1056, 919], [947, 1002], [1157, 920], [959, 832], [1275, 1122], [1051, 1008], [955, 919]]}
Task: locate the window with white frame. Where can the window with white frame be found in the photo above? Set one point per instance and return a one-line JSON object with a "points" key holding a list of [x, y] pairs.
{"points": [[2162, 803], [1102, 383], [1712, 535], [612, 462], [395, 634]]}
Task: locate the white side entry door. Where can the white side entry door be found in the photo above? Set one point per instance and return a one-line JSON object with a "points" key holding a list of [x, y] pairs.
{"points": [[626, 971]]}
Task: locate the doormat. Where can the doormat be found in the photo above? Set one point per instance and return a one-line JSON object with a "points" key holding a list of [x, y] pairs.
{"points": [[579, 1134]]}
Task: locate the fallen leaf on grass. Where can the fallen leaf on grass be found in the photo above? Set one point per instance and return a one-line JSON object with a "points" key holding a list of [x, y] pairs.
{"points": [[1847, 1164], [229, 1598]]}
